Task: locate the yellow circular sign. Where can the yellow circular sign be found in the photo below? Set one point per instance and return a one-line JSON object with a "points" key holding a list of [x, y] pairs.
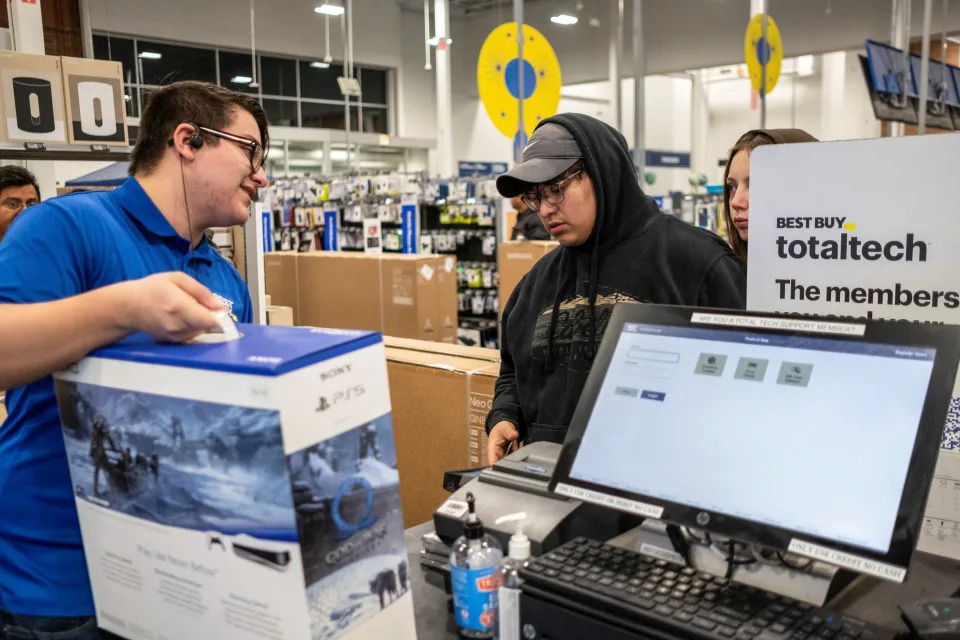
{"points": [[498, 69], [756, 50]]}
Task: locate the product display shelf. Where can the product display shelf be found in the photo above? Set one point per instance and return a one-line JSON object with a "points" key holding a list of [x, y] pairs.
{"points": [[461, 219]]}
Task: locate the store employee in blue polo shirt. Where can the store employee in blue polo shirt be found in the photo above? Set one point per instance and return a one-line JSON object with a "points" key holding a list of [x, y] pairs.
{"points": [[82, 271]]}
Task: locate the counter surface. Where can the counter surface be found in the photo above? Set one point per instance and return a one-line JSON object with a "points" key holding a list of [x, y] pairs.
{"points": [[868, 599]]}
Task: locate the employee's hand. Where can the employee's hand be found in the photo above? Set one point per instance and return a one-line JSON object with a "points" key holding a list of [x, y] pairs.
{"points": [[503, 439], [169, 306]]}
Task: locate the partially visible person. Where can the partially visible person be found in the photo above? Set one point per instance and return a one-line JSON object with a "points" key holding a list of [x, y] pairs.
{"points": [[736, 181], [18, 190], [82, 271], [615, 246], [528, 226]]}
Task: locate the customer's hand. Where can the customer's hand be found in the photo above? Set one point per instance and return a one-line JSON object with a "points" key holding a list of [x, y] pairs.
{"points": [[503, 439], [169, 306]]}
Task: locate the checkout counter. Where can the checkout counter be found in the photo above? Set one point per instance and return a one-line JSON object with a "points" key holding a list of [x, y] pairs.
{"points": [[519, 483]]}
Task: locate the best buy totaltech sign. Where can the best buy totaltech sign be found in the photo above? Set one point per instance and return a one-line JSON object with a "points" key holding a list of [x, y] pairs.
{"points": [[859, 229]]}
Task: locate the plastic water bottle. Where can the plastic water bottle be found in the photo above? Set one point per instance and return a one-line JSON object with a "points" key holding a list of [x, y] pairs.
{"points": [[474, 572]]}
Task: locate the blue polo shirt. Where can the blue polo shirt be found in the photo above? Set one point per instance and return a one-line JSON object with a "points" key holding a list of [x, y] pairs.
{"points": [[56, 249]]}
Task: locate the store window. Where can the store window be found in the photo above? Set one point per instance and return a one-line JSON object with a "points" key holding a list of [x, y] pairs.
{"points": [[278, 76], [162, 63], [373, 84], [120, 50], [282, 113], [375, 119], [328, 116], [236, 71], [130, 99], [320, 82], [294, 92]]}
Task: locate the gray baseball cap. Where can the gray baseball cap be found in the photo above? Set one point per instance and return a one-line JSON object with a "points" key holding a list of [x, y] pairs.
{"points": [[550, 151]]}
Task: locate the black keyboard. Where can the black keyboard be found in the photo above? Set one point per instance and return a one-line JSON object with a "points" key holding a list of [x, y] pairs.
{"points": [[681, 601]]}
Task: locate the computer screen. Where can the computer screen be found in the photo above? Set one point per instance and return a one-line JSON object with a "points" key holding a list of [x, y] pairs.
{"points": [[889, 70], [782, 432], [940, 83], [887, 106]]}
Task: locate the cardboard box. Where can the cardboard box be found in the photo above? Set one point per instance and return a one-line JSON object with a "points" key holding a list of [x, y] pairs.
{"points": [[278, 316], [402, 295], [245, 489], [440, 404], [410, 296], [515, 259], [447, 298], [94, 99], [280, 280], [457, 350], [31, 98], [338, 290]]}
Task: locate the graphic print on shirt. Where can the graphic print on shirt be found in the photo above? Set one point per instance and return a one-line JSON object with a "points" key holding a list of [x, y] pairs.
{"points": [[226, 302], [572, 335]]}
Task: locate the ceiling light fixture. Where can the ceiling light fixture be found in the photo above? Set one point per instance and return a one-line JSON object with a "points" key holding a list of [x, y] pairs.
{"points": [[320, 65], [150, 55], [328, 9], [564, 19], [241, 79]]}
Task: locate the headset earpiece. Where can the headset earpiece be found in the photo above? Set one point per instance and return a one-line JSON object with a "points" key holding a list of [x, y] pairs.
{"points": [[196, 140]]}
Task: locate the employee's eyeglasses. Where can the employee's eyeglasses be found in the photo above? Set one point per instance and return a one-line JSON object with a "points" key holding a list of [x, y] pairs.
{"points": [[550, 193], [257, 155]]}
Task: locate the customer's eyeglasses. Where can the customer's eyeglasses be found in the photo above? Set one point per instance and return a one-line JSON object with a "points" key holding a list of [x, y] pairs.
{"points": [[550, 193], [257, 154], [16, 205]]}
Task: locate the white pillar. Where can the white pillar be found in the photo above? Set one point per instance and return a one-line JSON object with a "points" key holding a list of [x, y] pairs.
{"points": [[639, 73], [834, 118], [899, 38], [925, 68], [521, 123], [616, 65], [27, 27], [444, 98], [85, 30], [699, 125]]}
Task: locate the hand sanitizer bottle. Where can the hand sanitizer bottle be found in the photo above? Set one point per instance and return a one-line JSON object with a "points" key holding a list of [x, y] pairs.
{"points": [[474, 572], [508, 610]]}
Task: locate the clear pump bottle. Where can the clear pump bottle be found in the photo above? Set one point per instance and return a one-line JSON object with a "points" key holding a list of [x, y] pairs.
{"points": [[508, 606], [474, 572]]}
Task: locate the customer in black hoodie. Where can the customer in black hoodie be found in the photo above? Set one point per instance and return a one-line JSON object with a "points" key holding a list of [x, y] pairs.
{"points": [[616, 246]]}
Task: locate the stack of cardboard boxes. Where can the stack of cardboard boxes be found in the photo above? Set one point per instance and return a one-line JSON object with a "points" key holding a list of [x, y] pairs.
{"points": [[440, 395], [400, 295], [515, 259]]}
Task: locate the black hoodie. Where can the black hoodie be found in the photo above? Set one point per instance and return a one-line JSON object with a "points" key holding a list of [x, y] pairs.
{"points": [[556, 316]]}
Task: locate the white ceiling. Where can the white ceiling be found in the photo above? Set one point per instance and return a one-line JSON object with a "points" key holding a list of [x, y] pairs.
{"points": [[688, 34]]}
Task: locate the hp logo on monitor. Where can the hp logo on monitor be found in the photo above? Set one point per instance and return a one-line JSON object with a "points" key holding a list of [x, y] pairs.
{"points": [[703, 518]]}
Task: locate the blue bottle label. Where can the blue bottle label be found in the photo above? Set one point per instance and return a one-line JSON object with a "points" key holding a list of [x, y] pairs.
{"points": [[475, 597]]}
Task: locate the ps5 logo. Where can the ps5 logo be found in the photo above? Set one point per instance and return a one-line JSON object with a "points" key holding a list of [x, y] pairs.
{"points": [[336, 371], [340, 397]]}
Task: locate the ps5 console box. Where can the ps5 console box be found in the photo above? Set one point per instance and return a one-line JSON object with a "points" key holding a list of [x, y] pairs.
{"points": [[241, 489]]}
